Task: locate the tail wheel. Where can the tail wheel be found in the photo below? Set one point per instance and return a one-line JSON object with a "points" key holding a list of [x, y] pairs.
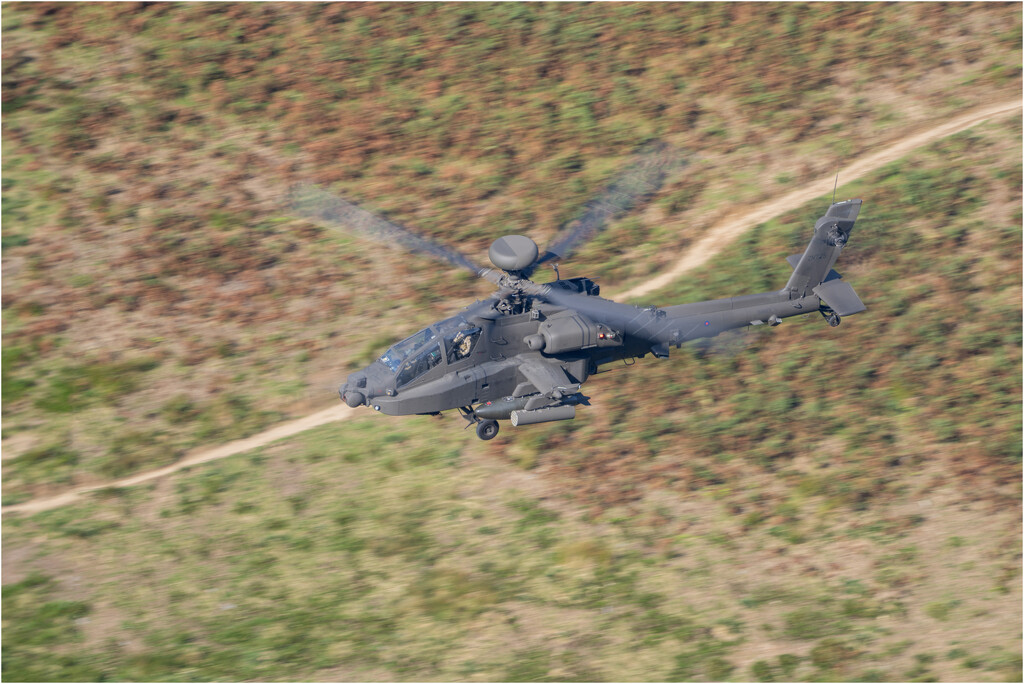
{"points": [[487, 429], [829, 315]]}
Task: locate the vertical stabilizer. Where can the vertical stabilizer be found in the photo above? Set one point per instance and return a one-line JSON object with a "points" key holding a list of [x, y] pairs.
{"points": [[831, 232]]}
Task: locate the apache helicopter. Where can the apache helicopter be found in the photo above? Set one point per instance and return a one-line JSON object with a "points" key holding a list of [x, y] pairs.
{"points": [[524, 352]]}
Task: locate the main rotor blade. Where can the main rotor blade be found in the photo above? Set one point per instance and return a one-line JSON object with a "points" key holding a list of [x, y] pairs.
{"points": [[639, 181], [328, 209]]}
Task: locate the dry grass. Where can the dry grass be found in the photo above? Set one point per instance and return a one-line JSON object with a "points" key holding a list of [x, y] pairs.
{"points": [[815, 505]]}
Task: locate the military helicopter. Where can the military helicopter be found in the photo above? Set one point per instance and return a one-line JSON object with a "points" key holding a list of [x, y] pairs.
{"points": [[524, 353]]}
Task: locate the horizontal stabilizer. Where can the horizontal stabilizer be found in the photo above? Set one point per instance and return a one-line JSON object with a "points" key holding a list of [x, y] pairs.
{"points": [[840, 297], [794, 259]]}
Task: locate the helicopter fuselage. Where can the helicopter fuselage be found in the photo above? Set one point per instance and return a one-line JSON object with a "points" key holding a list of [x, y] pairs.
{"points": [[484, 354], [476, 356], [524, 353]]}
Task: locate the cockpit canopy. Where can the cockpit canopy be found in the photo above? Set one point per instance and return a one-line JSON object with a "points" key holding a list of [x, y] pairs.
{"points": [[398, 353], [415, 355]]}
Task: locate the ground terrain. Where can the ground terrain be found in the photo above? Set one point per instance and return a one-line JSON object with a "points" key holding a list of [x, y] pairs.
{"points": [[157, 294], [804, 503], [715, 240]]}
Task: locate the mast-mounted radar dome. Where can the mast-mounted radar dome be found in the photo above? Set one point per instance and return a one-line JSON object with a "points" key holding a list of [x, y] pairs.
{"points": [[513, 253]]}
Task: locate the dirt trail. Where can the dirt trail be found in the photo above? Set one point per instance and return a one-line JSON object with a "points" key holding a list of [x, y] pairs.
{"points": [[719, 237], [294, 427], [704, 249]]}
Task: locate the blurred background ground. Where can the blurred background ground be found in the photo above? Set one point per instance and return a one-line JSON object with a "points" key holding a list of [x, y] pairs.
{"points": [[809, 504]]}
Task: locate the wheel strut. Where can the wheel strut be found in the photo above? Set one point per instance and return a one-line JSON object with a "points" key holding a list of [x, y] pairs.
{"points": [[485, 429], [469, 414]]}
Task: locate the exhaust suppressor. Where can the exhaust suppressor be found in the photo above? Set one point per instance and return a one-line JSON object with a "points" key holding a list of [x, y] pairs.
{"points": [[543, 415]]}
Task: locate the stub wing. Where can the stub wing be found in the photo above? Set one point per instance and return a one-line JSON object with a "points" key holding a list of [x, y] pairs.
{"points": [[550, 379]]}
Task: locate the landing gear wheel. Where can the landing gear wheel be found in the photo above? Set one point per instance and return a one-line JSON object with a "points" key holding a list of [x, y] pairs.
{"points": [[487, 429], [834, 320]]}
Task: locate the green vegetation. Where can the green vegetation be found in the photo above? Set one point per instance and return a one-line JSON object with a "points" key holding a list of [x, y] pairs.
{"points": [[145, 159], [430, 562], [800, 504], [37, 623], [924, 255], [73, 388], [50, 463]]}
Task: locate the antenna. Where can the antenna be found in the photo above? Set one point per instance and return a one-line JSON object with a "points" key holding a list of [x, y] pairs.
{"points": [[834, 186]]}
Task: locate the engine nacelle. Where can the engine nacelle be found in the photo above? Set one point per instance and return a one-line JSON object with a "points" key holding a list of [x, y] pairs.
{"points": [[572, 331]]}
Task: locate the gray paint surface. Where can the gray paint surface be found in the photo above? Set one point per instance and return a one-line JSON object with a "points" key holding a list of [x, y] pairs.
{"points": [[529, 348]]}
